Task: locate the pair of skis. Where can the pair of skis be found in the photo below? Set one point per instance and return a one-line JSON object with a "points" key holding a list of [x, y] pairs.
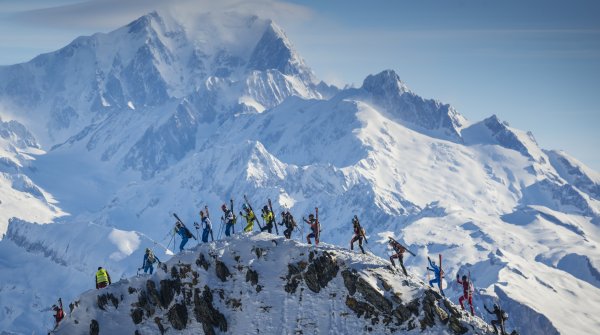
{"points": [[183, 224], [405, 248], [250, 206]]}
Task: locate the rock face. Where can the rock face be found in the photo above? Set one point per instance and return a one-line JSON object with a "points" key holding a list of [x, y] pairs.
{"points": [[309, 288]]}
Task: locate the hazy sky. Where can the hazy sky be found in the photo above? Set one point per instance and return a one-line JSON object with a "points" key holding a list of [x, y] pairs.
{"points": [[535, 63]]}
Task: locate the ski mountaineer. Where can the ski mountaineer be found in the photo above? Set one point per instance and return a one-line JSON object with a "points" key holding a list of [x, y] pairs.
{"points": [[249, 216], [501, 316], [467, 292], [206, 226], [149, 260], [269, 218], [399, 253], [288, 221], [184, 233], [437, 275], [227, 219], [59, 312], [102, 278], [314, 226], [358, 234]]}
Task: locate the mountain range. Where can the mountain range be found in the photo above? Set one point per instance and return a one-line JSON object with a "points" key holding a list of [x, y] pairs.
{"points": [[102, 140]]}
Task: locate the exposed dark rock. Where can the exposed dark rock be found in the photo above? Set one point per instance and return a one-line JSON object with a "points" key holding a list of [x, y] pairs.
{"points": [[234, 303], [94, 328], [320, 272], [203, 262], [131, 290], [161, 328], [103, 300], [431, 309], [168, 288], [361, 308], [184, 269], [457, 326], [252, 277], [292, 284], [178, 316], [137, 315], [350, 278], [152, 294], [452, 309], [174, 272], [222, 271], [206, 313], [258, 288], [373, 296], [259, 252]]}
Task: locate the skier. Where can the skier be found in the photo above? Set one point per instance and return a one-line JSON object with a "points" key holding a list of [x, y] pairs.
{"points": [[184, 233], [249, 216], [59, 313], [102, 278], [227, 219], [399, 249], [467, 292], [358, 235], [501, 316], [149, 260], [288, 220], [206, 226], [438, 275], [314, 226], [269, 218]]}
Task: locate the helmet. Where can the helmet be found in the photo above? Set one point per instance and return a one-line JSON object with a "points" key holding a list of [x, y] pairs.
{"points": [[202, 213], [223, 207], [54, 307], [311, 216], [244, 206], [266, 208], [99, 267], [464, 277], [147, 250], [496, 306]]}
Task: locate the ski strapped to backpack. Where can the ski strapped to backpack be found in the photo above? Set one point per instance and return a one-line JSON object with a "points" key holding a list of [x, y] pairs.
{"points": [[405, 248], [318, 230], [187, 231], [273, 214], [232, 213], [252, 210]]}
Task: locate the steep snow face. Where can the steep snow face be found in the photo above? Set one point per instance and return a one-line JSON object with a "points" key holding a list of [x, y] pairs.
{"points": [[387, 91], [262, 284], [19, 195], [160, 117]]}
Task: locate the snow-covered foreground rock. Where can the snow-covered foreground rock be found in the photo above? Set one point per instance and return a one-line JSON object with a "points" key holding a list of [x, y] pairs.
{"points": [[263, 284], [119, 130]]}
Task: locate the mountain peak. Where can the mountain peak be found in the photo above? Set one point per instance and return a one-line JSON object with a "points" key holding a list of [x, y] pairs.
{"points": [[384, 82], [275, 51]]}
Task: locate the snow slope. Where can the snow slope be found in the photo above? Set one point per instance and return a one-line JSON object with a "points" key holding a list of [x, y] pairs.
{"points": [[160, 117]]}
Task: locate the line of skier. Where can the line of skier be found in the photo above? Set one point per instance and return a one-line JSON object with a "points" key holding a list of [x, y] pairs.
{"points": [[229, 220]]}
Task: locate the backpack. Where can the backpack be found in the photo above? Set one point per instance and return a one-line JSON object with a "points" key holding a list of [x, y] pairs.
{"points": [[151, 258]]}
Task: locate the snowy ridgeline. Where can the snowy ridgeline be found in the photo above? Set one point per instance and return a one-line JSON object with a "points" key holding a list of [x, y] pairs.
{"points": [[260, 283]]}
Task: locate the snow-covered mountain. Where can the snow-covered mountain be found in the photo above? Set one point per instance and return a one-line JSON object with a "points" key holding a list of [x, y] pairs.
{"points": [[262, 284], [121, 129]]}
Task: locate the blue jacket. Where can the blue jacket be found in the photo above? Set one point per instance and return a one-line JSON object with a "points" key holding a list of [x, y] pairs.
{"points": [[146, 260], [435, 269]]}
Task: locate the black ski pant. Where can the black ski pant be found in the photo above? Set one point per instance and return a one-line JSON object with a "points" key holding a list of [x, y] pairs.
{"points": [[268, 227], [359, 239], [288, 232], [401, 260], [498, 323]]}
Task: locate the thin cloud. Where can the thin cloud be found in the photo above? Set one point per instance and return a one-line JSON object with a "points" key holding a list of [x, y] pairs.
{"points": [[109, 14]]}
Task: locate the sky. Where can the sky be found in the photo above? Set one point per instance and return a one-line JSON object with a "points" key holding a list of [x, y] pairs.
{"points": [[535, 64]]}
